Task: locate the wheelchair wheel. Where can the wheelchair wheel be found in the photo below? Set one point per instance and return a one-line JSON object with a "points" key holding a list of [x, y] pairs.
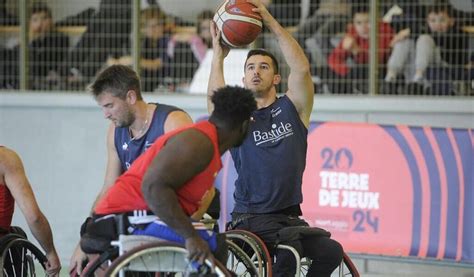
{"points": [[100, 261], [255, 248], [239, 262], [21, 258], [347, 267], [4, 240], [158, 257], [305, 264]]}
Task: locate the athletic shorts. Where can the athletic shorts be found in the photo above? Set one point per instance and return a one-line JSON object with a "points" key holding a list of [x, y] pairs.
{"points": [[160, 230]]}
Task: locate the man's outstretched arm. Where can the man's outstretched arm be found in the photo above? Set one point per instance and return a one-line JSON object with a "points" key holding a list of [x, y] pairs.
{"points": [[216, 77], [300, 85]]}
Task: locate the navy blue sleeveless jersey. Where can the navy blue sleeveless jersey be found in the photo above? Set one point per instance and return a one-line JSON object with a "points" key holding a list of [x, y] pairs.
{"points": [[271, 160], [129, 149]]}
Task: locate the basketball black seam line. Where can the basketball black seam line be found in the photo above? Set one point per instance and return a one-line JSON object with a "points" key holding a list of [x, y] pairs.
{"points": [[232, 30]]}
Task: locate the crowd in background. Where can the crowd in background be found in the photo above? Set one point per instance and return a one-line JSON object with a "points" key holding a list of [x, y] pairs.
{"points": [[424, 47]]}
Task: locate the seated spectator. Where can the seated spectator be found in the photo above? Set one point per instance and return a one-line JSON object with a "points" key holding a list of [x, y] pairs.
{"points": [[404, 16], [436, 59], [106, 35], [349, 60], [155, 61], [6, 18], [288, 14], [315, 35], [47, 50], [187, 50]]}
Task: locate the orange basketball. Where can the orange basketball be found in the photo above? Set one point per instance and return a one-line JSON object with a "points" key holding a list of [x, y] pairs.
{"points": [[238, 24]]}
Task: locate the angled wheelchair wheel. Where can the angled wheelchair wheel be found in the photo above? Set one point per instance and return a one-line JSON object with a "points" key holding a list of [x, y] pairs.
{"points": [[239, 262], [19, 257], [305, 264], [255, 249], [4, 240], [158, 259], [347, 267], [101, 262]]}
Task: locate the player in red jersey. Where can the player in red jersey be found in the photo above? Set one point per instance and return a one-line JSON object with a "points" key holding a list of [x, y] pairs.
{"points": [[14, 186], [177, 171]]}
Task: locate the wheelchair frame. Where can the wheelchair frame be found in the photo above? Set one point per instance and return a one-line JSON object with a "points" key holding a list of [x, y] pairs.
{"points": [[158, 256], [250, 242], [254, 247], [238, 261]]}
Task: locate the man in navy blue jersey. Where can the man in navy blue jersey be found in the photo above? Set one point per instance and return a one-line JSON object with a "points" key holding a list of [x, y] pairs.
{"points": [[135, 125], [272, 158]]}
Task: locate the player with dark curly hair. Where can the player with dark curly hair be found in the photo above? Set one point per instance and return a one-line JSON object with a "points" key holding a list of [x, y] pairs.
{"points": [[179, 170]]}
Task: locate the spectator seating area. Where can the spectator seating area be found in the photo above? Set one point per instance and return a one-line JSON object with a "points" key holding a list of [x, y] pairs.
{"points": [[421, 49]]}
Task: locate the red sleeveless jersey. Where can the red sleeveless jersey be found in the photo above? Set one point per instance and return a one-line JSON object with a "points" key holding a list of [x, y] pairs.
{"points": [[126, 194], [7, 205]]}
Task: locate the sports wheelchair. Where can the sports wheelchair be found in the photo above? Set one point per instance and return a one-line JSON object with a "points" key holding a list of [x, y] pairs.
{"points": [[255, 248], [133, 255], [19, 257], [147, 256]]}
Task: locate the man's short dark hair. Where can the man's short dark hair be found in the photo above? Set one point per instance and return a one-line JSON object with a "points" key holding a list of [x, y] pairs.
{"points": [[233, 105], [40, 7], [439, 7], [263, 52], [204, 15], [117, 80], [360, 6], [154, 12]]}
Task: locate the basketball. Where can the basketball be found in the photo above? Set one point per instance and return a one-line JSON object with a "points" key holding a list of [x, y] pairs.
{"points": [[238, 24]]}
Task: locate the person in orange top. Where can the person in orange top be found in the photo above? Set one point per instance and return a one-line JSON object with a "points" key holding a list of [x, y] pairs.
{"points": [[351, 57], [14, 186]]}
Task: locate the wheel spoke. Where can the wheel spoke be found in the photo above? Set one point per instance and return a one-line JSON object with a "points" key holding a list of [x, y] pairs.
{"points": [[20, 256]]}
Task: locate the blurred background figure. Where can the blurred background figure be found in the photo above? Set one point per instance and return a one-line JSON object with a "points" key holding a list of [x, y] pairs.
{"points": [[188, 50], [406, 19], [169, 58], [155, 61], [349, 60], [288, 14], [107, 33], [437, 59], [6, 18], [319, 33], [47, 50]]}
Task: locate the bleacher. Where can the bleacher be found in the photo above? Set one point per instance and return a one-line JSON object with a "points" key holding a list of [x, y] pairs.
{"points": [[72, 147], [105, 31]]}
